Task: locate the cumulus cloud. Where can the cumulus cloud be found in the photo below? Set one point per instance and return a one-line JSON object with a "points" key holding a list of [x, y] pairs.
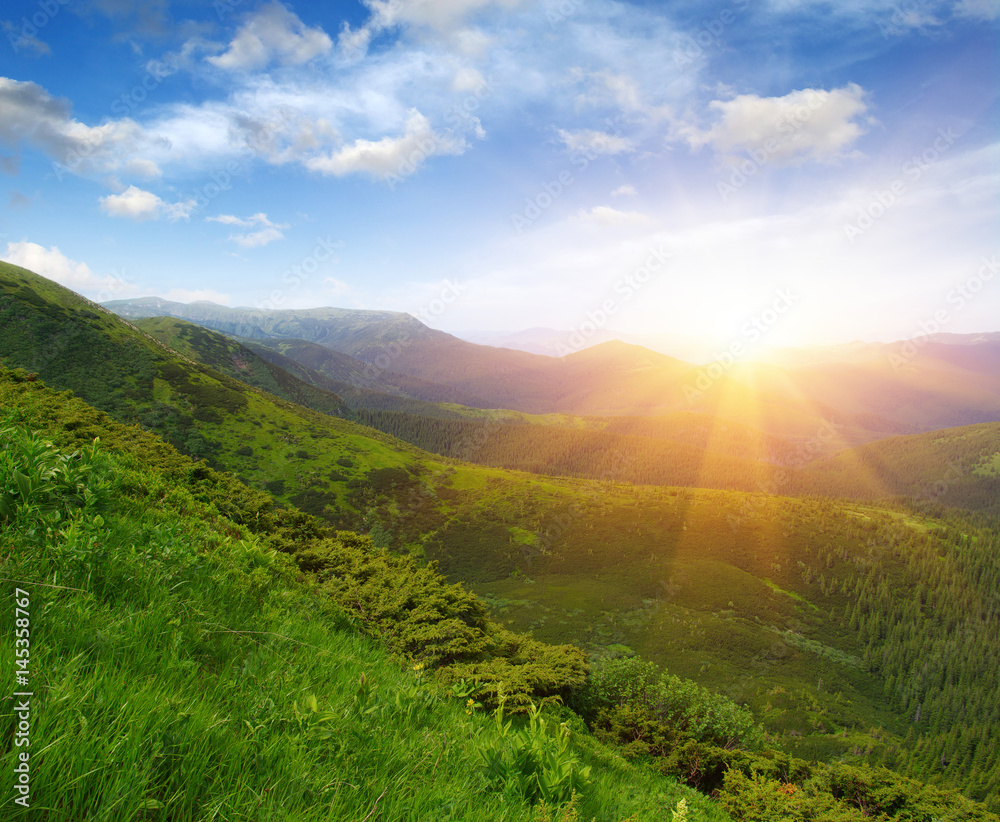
{"points": [[29, 115], [594, 142], [52, 264], [807, 124], [390, 156], [272, 34], [624, 191], [266, 231], [137, 204]]}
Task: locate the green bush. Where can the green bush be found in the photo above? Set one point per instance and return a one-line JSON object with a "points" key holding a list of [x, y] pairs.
{"points": [[623, 691]]}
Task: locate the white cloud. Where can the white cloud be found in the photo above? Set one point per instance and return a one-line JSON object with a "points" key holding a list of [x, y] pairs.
{"points": [[595, 142], [624, 191], [229, 219], [143, 168], [806, 124], [606, 87], [137, 204], [257, 239], [608, 216], [337, 288], [442, 15], [390, 156], [267, 231], [52, 264], [272, 34], [30, 115], [467, 79]]}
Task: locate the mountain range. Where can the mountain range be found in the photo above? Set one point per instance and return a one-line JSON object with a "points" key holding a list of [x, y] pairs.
{"points": [[819, 553], [868, 390]]}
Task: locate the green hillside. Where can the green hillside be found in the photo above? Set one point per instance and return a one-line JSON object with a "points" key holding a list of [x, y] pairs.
{"points": [[239, 362], [162, 588], [299, 454], [952, 468], [182, 669], [832, 621]]}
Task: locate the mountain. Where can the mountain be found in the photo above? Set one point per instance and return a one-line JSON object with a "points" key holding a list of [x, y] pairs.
{"points": [[550, 342], [864, 391], [759, 595], [357, 380], [557, 343], [303, 456]]}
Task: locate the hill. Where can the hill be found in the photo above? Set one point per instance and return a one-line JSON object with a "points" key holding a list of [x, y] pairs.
{"points": [[136, 533], [952, 467], [297, 453], [757, 595], [183, 669]]}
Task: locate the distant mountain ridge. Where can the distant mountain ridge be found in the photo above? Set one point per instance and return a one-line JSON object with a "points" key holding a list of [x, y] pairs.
{"points": [[869, 390]]}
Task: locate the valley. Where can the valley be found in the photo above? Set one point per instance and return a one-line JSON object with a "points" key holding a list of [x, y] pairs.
{"points": [[816, 542]]}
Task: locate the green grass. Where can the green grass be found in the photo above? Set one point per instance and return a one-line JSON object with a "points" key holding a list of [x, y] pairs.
{"points": [[181, 672]]}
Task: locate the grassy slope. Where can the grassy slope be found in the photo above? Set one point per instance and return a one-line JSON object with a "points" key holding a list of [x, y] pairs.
{"points": [[239, 362], [77, 345], [484, 526], [180, 671]]}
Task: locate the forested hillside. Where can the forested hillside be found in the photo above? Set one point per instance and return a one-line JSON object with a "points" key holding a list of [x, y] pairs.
{"points": [[132, 531]]}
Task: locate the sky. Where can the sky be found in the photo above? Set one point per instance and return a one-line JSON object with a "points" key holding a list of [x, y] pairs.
{"points": [[750, 172]]}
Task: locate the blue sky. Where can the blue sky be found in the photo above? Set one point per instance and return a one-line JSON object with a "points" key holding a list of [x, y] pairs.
{"points": [[502, 164]]}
